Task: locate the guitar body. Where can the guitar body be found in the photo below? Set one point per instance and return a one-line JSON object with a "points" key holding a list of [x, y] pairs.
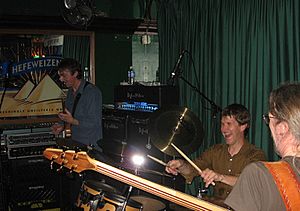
{"points": [[80, 161]]}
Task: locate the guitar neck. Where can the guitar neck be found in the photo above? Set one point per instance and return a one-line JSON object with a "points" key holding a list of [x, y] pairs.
{"points": [[80, 161], [154, 188]]}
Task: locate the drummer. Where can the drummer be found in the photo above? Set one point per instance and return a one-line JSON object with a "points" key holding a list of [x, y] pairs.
{"points": [[221, 164]]}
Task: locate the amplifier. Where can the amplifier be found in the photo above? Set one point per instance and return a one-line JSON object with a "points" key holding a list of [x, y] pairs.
{"points": [[28, 123], [28, 182], [25, 144], [145, 98], [32, 185]]}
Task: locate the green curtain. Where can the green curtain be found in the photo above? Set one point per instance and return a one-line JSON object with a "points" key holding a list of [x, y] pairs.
{"points": [[241, 50], [77, 47]]}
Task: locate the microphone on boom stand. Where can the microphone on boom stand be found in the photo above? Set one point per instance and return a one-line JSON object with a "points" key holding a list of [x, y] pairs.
{"points": [[176, 70]]}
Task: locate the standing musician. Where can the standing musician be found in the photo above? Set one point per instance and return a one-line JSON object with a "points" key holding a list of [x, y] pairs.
{"points": [[83, 106], [83, 112], [222, 163], [275, 185]]}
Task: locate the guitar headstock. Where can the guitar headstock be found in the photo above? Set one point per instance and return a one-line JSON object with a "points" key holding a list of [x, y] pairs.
{"points": [[75, 161]]}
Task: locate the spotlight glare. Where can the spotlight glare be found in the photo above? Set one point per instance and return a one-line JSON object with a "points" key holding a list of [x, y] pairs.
{"points": [[138, 160]]}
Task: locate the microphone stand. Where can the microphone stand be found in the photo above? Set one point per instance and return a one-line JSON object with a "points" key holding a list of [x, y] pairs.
{"points": [[215, 108]]}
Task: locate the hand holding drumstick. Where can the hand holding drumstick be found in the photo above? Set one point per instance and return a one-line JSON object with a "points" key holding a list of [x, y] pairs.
{"points": [[177, 166]]}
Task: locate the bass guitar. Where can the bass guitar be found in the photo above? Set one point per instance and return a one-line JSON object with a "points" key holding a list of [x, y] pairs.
{"points": [[81, 161]]}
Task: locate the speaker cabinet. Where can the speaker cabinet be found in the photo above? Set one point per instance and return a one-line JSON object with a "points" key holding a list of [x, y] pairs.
{"points": [[3, 181], [33, 184]]}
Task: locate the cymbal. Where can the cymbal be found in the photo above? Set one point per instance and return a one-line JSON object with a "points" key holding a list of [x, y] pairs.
{"points": [[177, 125]]}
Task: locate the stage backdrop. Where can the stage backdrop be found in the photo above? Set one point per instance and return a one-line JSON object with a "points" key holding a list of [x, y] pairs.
{"points": [[241, 50], [31, 88]]}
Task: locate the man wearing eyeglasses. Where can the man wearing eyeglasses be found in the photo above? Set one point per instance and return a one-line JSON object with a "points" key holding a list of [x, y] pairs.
{"points": [[222, 163], [275, 185]]}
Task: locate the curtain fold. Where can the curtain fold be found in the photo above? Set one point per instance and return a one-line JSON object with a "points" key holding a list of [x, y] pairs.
{"points": [[77, 47], [240, 49]]}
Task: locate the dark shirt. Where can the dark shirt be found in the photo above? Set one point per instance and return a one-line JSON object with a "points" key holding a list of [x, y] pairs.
{"points": [[218, 159], [88, 112]]}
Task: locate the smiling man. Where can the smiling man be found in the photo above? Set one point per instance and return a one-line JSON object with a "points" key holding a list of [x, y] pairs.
{"points": [[222, 163]]}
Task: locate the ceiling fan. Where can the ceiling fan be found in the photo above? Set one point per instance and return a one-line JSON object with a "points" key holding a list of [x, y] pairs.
{"points": [[78, 13]]}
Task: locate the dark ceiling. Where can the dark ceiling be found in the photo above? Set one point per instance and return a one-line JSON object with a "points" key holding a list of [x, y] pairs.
{"points": [[32, 14]]}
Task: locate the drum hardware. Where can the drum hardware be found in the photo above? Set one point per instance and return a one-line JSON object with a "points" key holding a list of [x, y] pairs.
{"points": [[92, 202], [98, 196], [201, 191], [148, 145], [122, 151], [127, 198]]}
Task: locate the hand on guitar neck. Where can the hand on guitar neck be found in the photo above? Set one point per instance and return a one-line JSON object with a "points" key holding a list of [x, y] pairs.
{"points": [[67, 117], [68, 120]]}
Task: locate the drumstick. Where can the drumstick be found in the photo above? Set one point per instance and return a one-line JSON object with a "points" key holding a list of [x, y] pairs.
{"points": [[157, 160], [188, 160]]}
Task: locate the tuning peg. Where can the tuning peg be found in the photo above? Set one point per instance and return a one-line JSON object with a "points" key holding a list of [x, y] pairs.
{"points": [[70, 174], [51, 165], [72, 169], [77, 149], [75, 157], [64, 162], [60, 168]]}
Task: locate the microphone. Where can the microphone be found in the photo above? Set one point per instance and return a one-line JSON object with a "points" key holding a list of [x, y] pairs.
{"points": [[176, 68]]}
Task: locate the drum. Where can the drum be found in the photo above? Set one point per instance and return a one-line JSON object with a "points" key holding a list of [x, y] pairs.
{"points": [[99, 196]]}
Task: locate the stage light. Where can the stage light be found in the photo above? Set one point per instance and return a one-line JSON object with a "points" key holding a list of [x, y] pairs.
{"points": [[138, 160]]}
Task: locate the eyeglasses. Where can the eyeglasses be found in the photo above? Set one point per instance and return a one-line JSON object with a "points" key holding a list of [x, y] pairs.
{"points": [[267, 118]]}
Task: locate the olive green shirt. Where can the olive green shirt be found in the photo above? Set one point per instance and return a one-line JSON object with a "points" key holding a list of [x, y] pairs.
{"points": [[257, 190], [218, 159]]}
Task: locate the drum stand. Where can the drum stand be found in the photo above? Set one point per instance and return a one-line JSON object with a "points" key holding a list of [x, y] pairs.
{"points": [[201, 191], [127, 198]]}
